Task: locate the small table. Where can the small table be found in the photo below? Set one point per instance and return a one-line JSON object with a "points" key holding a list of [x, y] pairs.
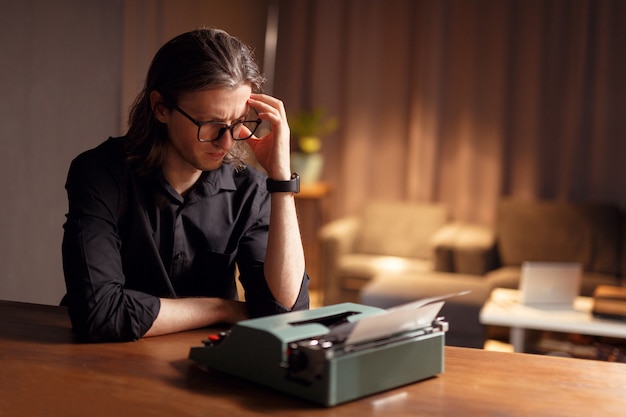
{"points": [[504, 309]]}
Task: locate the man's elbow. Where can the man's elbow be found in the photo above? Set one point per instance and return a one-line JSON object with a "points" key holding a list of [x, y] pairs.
{"points": [[103, 324]]}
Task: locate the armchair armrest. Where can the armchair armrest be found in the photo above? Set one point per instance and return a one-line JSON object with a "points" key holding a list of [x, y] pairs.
{"points": [[340, 233], [336, 238], [475, 250], [442, 245], [464, 248]]}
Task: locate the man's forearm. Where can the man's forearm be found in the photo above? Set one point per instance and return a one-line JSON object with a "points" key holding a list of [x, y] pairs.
{"points": [[284, 262], [177, 315]]}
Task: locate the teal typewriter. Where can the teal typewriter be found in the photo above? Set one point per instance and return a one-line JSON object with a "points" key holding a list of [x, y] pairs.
{"points": [[332, 354]]}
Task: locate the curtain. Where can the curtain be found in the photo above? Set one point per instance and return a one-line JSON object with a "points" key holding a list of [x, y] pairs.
{"points": [[461, 102]]}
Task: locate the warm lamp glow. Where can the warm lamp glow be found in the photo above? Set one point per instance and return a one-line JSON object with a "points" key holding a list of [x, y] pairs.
{"points": [[391, 264]]}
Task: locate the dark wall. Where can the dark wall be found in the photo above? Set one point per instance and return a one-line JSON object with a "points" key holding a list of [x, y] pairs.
{"points": [[60, 83]]}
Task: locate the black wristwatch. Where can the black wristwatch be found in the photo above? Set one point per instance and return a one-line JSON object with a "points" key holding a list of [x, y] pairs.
{"points": [[290, 186]]}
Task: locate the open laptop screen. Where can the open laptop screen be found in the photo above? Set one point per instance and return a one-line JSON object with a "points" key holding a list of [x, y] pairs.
{"points": [[550, 283]]}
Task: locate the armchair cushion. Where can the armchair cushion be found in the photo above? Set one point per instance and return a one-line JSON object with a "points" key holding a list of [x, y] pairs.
{"points": [[357, 268], [399, 229]]}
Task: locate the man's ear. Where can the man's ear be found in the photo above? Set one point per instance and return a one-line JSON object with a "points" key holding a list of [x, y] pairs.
{"points": [[161, 112]]}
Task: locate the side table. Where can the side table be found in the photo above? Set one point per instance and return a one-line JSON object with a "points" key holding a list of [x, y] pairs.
{"points": [[504, 309], [311, 206]]}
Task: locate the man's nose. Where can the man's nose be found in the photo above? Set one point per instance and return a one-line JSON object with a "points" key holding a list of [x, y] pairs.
{"points": [[225, 140]]}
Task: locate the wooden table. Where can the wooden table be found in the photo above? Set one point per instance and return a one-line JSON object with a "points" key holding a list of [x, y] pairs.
{"points": [[504, 309], [44, 372]]}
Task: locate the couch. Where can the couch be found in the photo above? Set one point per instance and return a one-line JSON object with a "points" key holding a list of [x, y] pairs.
{"points": [[480, 258]]}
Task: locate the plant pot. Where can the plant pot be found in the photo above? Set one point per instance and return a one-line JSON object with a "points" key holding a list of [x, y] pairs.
{"points": [[308, 166]]}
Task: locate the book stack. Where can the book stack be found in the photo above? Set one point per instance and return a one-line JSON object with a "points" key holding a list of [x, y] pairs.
{"points": [[609, 302]]}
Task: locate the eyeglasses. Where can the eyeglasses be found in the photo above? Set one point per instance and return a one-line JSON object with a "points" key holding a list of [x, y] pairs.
{"points": [[212, 131]]}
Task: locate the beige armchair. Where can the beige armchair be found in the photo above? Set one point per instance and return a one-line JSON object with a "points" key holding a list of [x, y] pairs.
{"points": [[549, 231], [384, 238]]}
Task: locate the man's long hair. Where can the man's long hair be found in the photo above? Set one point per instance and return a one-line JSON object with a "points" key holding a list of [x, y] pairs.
{"points": [[199, 60]]}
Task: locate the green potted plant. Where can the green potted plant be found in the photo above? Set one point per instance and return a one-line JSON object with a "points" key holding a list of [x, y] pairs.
{"points": [[307, 129]]}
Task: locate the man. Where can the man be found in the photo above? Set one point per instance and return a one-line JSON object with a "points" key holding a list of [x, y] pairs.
{"points": [[159, 219]]}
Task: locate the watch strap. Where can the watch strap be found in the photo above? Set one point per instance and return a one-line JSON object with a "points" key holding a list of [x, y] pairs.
{"points": [[290, 186]]}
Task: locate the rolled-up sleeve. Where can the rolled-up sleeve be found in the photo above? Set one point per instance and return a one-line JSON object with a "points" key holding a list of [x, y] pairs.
{"points": [[261, 302], [100, 307]]}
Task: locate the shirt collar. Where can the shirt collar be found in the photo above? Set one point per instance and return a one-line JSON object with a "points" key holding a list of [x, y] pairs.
{"points": [[209, 183]]}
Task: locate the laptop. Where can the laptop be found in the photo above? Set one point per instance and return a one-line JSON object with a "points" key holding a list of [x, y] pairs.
{"points": [[550, 283]]}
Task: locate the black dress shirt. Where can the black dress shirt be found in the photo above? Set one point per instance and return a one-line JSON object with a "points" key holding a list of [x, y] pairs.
{"points": [[131, 239]]}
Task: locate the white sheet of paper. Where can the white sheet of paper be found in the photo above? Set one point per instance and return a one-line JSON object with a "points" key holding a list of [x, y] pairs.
{"points": [[394, 321], [424, 301]]}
